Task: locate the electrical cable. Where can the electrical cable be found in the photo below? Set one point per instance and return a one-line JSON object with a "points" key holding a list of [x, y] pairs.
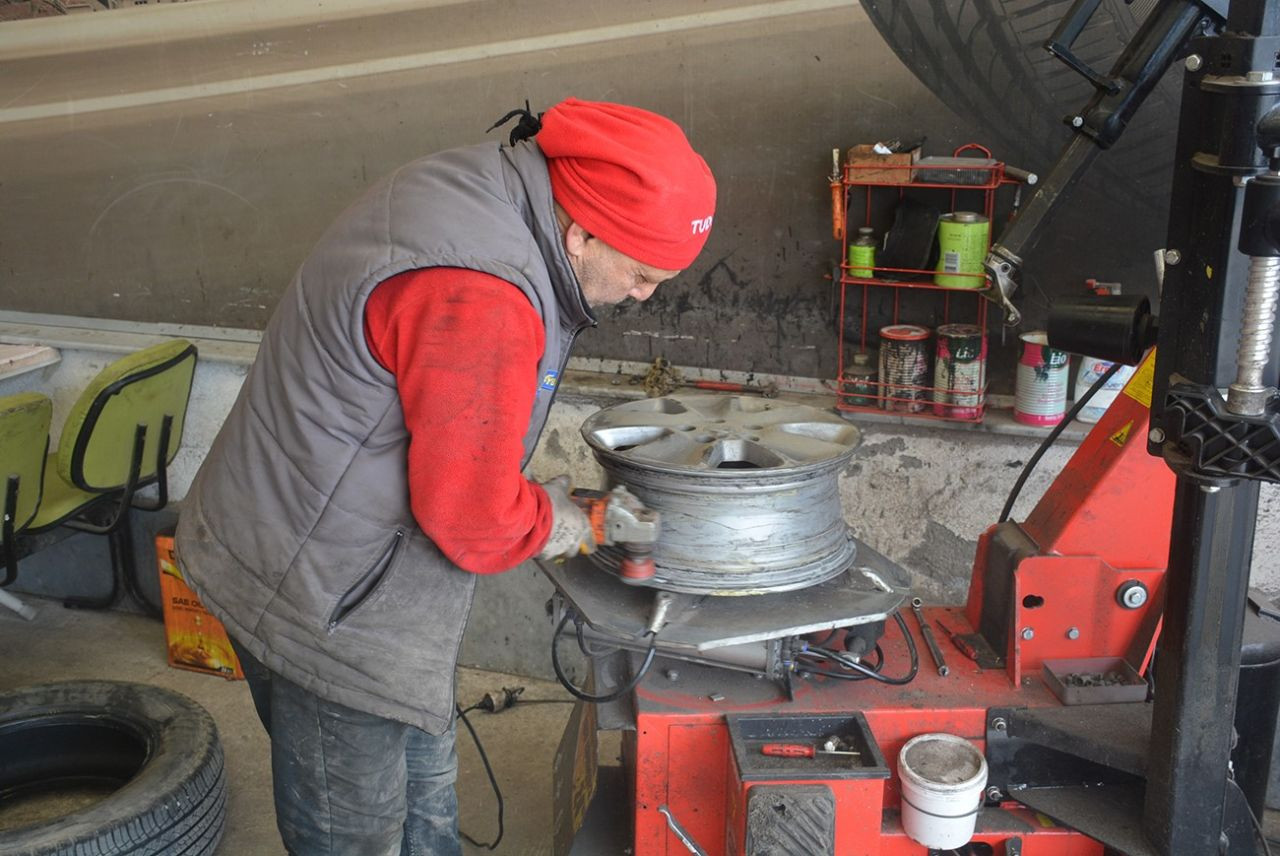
{"points": [[868, 671], [1257, 827], [585, 647], [1053, 436], [821, 653], [544, 701], [601, 699], [1257, 824], [488, 768]]}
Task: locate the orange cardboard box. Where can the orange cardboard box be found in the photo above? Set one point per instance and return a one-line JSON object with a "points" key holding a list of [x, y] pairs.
{"points": [[867, 167], [197, 641]]}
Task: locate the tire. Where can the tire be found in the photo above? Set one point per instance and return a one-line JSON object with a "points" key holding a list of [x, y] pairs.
{"points": [[985, 59], [160, 748]]}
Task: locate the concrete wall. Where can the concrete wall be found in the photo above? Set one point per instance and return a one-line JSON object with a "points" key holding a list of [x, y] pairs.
{"points": [[919, 495], [175, 163]]}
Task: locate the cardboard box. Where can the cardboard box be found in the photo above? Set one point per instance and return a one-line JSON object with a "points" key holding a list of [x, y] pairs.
{"points": [[196, 640], [863, 165]]}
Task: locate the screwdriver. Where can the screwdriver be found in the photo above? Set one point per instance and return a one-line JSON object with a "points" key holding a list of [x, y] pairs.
{"points": [[965, 646], [799, 750]]}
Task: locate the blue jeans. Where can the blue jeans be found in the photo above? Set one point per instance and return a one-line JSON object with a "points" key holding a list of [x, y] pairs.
{"points": [[349, 783]]}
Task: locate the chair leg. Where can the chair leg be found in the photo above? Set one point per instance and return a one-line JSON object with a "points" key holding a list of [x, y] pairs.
{"points": [[128, 567], [17, 606], [119, 532], [7, 533]]}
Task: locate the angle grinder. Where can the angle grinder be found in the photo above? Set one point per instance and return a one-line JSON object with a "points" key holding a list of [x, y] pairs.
{"points": [[620, 520]]}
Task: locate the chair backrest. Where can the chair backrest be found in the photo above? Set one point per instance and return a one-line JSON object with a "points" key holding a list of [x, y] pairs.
{"points": [[24, 443], [96, 446]]}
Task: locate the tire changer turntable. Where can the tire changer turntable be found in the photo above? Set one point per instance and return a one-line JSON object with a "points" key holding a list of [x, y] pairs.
{"points": [[1110, 662]]}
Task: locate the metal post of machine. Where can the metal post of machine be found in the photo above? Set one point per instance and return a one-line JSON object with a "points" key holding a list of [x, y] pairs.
{"points": [[1197, 664], [1230, 86]]}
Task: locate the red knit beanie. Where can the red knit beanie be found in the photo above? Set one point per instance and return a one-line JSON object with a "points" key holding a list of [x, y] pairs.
{"points": [[630, 178]]}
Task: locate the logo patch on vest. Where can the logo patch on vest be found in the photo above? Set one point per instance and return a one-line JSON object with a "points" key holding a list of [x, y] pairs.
{"points": [[549, 381]]}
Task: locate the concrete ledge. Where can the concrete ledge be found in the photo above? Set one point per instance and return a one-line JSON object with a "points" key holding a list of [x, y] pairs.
{"points": [[587, 379], [71, 332]]}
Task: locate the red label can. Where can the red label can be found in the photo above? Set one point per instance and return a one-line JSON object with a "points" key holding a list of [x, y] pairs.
{"points": [[960, 371], [904, 367]]}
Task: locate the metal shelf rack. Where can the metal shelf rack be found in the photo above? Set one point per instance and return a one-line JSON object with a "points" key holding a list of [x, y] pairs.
{"points": [[867, 180]]}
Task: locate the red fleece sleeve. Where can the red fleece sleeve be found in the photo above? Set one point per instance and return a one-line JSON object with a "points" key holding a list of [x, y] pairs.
{"points": [[464, 347]]}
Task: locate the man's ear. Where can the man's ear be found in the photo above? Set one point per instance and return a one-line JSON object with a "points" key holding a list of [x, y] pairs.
{"points": [[575, 239]]}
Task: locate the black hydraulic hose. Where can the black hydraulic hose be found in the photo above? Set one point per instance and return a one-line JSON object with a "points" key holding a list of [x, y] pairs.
{"points": [[600, 699], [1053, 436]]}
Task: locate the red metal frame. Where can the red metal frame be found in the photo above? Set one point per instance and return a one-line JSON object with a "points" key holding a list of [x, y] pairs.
{"points": [[1104, 520], [879, 393]]}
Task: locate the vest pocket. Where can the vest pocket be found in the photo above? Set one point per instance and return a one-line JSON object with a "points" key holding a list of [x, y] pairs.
{"points": [[367, 584]]}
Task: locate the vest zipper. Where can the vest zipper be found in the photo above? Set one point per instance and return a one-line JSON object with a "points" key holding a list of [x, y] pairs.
{"points": [[368, 583]]}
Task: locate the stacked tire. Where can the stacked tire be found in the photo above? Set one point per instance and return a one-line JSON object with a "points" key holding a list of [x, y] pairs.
{"points": [[986, 60], [156, 751]]}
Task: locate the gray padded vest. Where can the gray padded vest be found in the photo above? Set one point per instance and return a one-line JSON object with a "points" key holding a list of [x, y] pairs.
{"points": [[297, 532]]}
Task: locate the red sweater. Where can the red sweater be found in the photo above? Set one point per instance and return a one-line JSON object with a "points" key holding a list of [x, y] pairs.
{"points": [[464, 348]]}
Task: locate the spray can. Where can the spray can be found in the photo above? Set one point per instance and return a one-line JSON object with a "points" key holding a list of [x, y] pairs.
{"points": [[962, 247], [1041, 391], [860, 378], [862, 254], [904, 367], [960, 371], [1092, 368]]}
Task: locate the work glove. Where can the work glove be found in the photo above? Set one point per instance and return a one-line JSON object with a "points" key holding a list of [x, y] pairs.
{"points": [[571, 533]]}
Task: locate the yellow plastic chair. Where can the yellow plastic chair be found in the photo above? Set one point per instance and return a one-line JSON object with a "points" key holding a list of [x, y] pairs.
{"points": [[119, 437], [24, 442]]}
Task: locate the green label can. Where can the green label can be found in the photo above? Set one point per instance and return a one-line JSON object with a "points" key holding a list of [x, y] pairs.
{"points": [[962, 247], [862, 254]]}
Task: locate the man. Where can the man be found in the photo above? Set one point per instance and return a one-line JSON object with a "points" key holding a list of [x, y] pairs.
{"points": [[371, 466]]}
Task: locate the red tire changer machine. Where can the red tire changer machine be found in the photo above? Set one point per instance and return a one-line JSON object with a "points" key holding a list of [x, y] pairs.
{"points": [[1109, 663]]}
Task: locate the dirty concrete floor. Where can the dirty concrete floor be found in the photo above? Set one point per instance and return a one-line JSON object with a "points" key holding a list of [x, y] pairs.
{"points": [[66, 645]]}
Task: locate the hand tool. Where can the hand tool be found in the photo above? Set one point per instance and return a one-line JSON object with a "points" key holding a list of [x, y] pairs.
{"points": [[965, 646], [799, 750], [619, 518], [927, 633], [768, 390], [837, 197], [685, 838]]}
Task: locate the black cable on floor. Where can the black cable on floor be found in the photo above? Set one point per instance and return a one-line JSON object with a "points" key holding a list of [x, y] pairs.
{"points": [[544, 701], [488, 768], [601, 699], [1053, 436]]}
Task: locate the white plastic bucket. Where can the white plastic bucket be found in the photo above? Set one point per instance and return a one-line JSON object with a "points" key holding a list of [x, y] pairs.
{"points": [[942, 778]]}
